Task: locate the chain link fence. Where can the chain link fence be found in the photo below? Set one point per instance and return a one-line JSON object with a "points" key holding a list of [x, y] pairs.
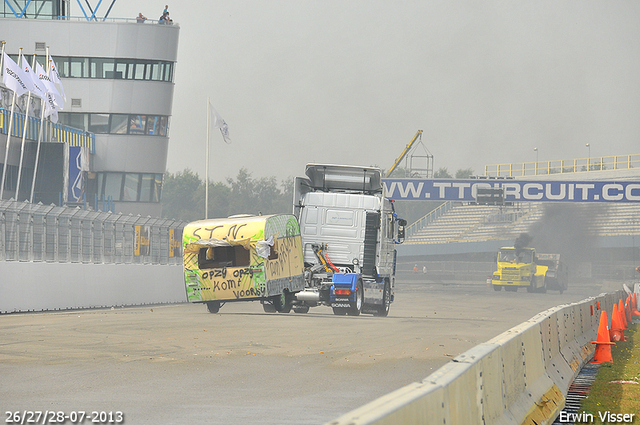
{"points": [[49, 233]]}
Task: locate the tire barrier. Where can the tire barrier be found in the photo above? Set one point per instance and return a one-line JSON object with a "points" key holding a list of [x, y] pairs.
{"points": [[521, 376], [39, 286]]}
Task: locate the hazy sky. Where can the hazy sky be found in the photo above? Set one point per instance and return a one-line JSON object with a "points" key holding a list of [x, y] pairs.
{"points": [[350, 82]]}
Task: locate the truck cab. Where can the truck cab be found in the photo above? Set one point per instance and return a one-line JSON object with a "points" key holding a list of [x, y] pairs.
{"points": [[518, 267], [349, 231]]}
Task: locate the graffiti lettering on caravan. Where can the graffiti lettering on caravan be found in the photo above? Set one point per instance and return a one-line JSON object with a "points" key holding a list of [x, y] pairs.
{"points": [[207, 232], [514, 190], [279, 266]]}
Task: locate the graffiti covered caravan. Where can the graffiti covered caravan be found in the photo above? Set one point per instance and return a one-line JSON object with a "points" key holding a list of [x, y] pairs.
{"points": [[243, 258]]}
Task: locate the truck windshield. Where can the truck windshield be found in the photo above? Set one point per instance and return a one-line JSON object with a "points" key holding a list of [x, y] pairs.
{"points": [[507, 256], [512, 256]]}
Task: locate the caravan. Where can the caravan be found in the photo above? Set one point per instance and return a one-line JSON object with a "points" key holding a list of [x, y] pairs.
{"points": [[244, 258]]}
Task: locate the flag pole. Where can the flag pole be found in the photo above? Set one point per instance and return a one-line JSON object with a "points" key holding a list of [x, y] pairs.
{"points": [[4, 164], [2, 58], [206, 168], [24, 135], [6, 151], [40, 132]]}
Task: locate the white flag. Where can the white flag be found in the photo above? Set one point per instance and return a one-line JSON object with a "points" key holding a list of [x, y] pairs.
{"points": [[50, 108], [49, 86], [55, 77], [217, 121], [33, 83], [14, 79]]}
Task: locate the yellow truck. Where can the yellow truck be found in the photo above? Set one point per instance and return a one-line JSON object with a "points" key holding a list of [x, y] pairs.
{"points": [[244, 258], [519, 268]]}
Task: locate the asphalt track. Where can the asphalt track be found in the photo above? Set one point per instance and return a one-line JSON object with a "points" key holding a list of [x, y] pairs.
{"points": [[180, 364]]}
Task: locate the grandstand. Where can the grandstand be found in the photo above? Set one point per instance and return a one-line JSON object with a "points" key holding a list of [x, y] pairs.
{"points": [[470, 222], [458, 222]]}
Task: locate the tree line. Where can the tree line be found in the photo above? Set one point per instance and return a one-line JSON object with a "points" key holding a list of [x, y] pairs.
{"points": [[183, 196]]}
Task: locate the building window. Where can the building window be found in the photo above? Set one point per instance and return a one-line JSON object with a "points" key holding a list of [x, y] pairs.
{"points": [[137, 124], [119, 124], [151, 125], [99, 123], [146, 187], [129, 187], [78, 68], [112, 186], [113, 68]]}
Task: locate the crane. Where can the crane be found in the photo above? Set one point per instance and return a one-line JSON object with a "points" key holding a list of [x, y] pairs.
{"points": [[416, 139]]}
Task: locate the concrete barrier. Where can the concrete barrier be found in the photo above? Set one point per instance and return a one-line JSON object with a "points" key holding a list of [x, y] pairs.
{"points": [[40, 286], [521, 376]]}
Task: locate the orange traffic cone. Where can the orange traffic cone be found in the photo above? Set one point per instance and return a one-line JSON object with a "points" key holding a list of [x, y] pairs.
{"points": [[634, 306], [623, 314], [616, 333], [603, 344]]}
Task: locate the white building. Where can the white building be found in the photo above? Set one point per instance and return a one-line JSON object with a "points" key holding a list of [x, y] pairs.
{"points": [[118, 77]]}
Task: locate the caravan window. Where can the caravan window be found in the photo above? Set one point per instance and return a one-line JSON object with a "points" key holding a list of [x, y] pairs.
{"points": [[223, 256], [273, 254]]}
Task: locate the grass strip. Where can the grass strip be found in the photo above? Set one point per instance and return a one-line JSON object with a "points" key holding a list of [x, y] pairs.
{"points": [[616, 389]]}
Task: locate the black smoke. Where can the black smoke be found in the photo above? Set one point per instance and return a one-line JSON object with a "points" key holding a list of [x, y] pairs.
{"points": [[522, 241], [568, 230]]}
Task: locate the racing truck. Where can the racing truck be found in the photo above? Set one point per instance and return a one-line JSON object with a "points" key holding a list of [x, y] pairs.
{"points": [[557, 276], [519, 268], [349, 230]]}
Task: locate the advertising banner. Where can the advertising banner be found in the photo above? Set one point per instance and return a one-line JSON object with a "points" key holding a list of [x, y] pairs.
{"points": [[514, 190], [141, 240]]}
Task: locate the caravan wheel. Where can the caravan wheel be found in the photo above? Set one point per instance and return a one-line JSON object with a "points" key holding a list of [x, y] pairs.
{"points": [[282, 302], [213, 306]]}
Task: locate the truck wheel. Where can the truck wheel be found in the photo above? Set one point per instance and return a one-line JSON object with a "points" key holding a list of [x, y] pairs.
{"points": [[213, 306], [301, 309], [383, 310], [282, 302], [355, 309], [497, 288], [268, 307]]}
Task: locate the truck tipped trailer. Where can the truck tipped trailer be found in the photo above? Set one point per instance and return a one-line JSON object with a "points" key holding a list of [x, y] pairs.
{"points": [[523, 268], [518, 268], [349, 230], [557, 276]]}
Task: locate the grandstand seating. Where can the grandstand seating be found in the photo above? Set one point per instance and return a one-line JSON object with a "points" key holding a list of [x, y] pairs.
{"points": [[463, 223]]}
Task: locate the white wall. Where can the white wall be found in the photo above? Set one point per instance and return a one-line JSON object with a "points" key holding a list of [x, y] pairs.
{"points": [[37, 286]]}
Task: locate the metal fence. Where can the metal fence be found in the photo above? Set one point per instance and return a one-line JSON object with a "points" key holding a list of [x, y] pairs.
{"points": [[49, 233]]}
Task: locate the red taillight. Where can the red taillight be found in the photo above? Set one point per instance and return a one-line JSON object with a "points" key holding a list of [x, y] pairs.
{"points": [[342, 292]]}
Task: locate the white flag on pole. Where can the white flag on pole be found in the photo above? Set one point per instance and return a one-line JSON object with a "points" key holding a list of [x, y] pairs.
{"points": [[50, 106], [33, 83], [14, 79], [49, 86], [55, 77], [218, 122]]}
